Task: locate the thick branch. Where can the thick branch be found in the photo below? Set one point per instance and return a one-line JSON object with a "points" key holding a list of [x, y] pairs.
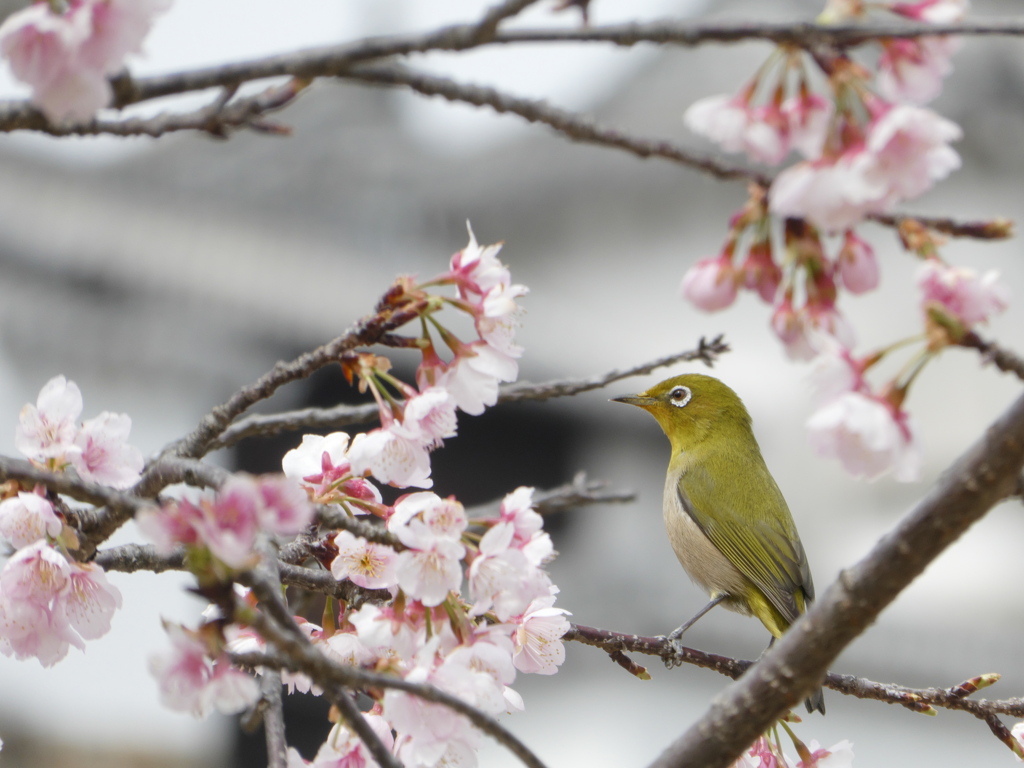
{"points": [[798, 662]]}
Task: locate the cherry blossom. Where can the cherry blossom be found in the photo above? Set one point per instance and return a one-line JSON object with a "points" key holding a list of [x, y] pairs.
{"points": [[961, 293], [732, 123], [710, 284], [391, 457], [420, 517], [809, 116], [933, 11], [105, 455], [428, 418], [760, 272], [47, 431], [856, 264], [538, 637], [228, 523], [867, 435], [321, 465], [904, 152], [502, 577], [472, 378], [913, 70], [89, 604], [344, 749], [27, 518], [369, 565], [432, 570], [67, 57], [189, 681], [839, 755]]}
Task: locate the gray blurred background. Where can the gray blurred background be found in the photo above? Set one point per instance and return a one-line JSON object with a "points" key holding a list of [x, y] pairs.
{"points": [[163, 275]]}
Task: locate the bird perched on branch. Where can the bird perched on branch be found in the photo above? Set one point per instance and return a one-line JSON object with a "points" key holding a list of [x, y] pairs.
{"points": [[726, 518]]}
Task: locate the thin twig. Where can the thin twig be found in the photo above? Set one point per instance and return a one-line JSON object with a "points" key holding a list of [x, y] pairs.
{"points": [[365, 333], [263, 425], [915, 699], [572, 125], [1003, 359]]}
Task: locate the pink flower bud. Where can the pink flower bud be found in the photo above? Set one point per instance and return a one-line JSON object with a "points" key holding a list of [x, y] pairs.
{"points": [[710, 284], [858, 268]]}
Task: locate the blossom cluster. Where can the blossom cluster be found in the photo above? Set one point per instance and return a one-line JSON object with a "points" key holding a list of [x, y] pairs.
{"points": [[865, 143], [66, 51], [764, 753], [48, 600], [470, 602]]}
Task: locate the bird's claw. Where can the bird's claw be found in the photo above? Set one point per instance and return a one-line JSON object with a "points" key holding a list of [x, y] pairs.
{"points": [[675, 651]]}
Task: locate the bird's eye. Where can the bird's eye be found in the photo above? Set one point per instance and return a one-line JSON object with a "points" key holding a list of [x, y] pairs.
{"points": [[679, 396]]}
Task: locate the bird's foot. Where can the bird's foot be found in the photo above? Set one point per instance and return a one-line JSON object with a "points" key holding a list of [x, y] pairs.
{"points": [[675, 653]]}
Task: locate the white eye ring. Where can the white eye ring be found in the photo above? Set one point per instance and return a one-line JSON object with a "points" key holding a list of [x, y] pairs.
{"points": [[680, 396]]}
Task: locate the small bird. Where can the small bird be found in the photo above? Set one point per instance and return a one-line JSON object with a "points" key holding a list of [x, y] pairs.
{"points": [[727, 520]]}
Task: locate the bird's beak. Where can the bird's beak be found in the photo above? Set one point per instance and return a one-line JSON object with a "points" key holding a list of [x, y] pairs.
{"points": [[641, 401]]}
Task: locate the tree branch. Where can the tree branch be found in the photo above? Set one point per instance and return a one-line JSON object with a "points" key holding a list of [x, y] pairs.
{"points": [[798, 662], [914, 699], [1003, 359], [263, 425]]}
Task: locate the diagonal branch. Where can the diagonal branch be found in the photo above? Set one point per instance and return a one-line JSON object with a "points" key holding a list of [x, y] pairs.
{"points": [[798, 662]]}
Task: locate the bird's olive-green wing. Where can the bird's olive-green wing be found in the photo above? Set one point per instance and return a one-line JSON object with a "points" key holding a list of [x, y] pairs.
{"points": [[738, 506]]}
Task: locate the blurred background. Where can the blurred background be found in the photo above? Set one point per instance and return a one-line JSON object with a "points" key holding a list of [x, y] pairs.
{"points": [[162, 275]]}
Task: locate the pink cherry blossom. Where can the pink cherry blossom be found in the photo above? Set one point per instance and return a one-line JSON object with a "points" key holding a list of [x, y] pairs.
{"points": [[478, 673], [105, 455], [538, 637], [27, 518], [309, 457], [191, 682], [418, 518], [391, 458], [48, 430], [429, 417], [473, 378], [913, 70], [285, 508], [867, 435], [477, 270], [385, 633], [369, 565], [502, 577], [430, 573], [344, 749], [809, 116], [826, 192], [710, 284], [723, 119], [66, 57], [856, 264], [760, 272], [933, 11], [906, 151], [839, 755], [732, 123], [228, 524], [835, 373], [961, 292], [89, 605]]}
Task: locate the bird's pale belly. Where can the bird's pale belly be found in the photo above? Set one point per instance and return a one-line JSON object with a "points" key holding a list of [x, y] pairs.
{"points": [[701, 559]]}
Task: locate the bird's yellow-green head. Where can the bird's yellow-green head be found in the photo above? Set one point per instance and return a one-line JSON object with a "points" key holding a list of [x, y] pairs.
{"points": [[692, 408]]}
